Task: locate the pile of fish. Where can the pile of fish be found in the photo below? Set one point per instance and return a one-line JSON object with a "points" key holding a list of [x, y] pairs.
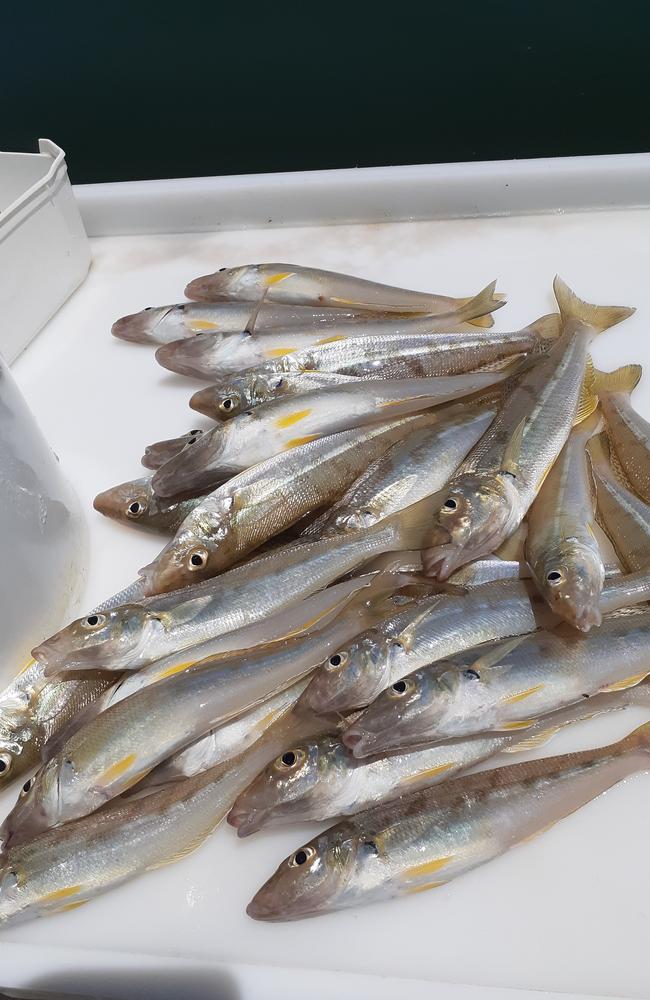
{"points": [[406, 544]]}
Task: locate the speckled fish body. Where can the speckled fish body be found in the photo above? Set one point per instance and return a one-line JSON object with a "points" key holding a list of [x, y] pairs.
{"points": [[162, 324], [136, 503], [508, 688], [628, 432], [495, 486], [318, 779], [140, 632], [122, 744], [285, 423], [623, 515], [431, 836], [412, 468], [268, 498], [561, 546], [414, 347], [296, 285]]}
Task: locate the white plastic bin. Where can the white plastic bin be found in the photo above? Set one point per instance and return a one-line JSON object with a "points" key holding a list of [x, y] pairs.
{"points": [[44, 250]]}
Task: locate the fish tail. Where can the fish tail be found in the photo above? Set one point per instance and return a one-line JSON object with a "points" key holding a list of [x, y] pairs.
{"points": [[623, 379], [574, 309], [476, 310], [547, 327]]}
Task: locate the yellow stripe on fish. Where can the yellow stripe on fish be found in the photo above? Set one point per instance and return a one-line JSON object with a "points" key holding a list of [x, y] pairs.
{"points": [[521, 724], [201, 324], [428, 868], [292, 418], [330, 340], [296, 442], [179, 668], [279, 352], [423, 888], [430, 772], [118, 769], [627, 683], [514, 698], [274, 279], [52, 897]]}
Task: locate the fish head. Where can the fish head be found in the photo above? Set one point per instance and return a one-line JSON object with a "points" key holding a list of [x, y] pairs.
{"points": [[192, 356], [356, 520], [196, 468], [108, 640], [20, 739], [157, 454], [285, 788], [442, 700], [130, 502], [140, 328], [43, 802], [351, 677], [316, 878], [198, 550], [222, 400], [571, 579], [226, 283], [477, 513]]}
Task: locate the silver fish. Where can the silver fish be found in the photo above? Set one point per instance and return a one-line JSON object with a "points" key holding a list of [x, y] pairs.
{"points": [[499, 480], [122, 744], [433, 629], [162, 324], [431, 836], [561, 547], [412, 468], [296, 285], [283, 424], [508, 687], [624, 516], [223, 400], [136, 503], [415, 346], [628, 432], [140, 632], [318, 779], [268, 498], [157, 454]]}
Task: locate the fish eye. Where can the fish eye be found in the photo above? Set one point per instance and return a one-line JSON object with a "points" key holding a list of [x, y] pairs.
{"points": [[93, 621], [6, 760], [555, 576], [227, 404], [301, 857], [337, 660], [195, 432], [290, 760], [450, 504], [198, 559], [222, 269], [400, 688], [135, 509], [27, 787], [471, 674]]}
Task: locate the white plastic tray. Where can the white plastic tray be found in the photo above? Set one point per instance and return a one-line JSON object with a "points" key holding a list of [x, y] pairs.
{"points": [[44, 251], [569, 911]]}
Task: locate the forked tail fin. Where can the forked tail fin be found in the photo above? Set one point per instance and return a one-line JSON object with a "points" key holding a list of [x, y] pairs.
{"points": [[575, 310]]}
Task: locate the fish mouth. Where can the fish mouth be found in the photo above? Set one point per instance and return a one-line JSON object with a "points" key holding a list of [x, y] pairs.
{"points": [[587, 618], [182, 357], [203, 402], [157, 580], [199, 289], [441, 561], [360, 742], [244, 821], [103, 504], [261, 908]]}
